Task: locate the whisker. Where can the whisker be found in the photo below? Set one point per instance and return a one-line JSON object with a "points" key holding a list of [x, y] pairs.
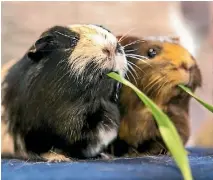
{"points": [[139, 59], [133, 76], [130, 50], [137, 55], [127, 77], [134, 42], [161, 87], [155, 81], [154, 84], [133, 70], [142, 59], [125, 35], [126, 69], [151, 84], [136, 66]]}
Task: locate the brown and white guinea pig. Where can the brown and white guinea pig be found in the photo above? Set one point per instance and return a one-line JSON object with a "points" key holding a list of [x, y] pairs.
{"points": [[58, 97], [164, 65]]}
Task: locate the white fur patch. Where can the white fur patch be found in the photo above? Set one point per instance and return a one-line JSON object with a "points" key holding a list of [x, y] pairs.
{"points": [[104, 38], [108, 40], [93, 39], [120, 64], [104, 138]]}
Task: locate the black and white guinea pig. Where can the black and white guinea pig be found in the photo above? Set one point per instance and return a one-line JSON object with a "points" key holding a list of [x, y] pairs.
{"points": [[58, 97]]}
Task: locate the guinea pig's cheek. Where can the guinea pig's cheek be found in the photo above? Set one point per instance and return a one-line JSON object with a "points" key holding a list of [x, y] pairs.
{"points": [[120, 64]]}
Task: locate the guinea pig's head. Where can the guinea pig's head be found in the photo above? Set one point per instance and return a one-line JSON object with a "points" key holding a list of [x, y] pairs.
{"points": [[87, 52], [159, 65]]}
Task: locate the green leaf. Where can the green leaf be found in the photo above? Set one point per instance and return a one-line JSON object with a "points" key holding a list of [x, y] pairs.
{"points": [[166, 128], [206, 105]]}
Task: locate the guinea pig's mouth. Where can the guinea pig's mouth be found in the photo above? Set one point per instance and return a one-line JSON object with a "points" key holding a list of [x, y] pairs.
{"points": [[113, 71], [107, 71], [189, 84]]}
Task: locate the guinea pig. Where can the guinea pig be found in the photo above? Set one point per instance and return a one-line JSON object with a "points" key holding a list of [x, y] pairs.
{"points": [[58, 101], [158, 66]]}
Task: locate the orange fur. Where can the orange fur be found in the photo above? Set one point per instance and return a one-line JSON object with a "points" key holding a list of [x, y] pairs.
{"points": [[158, 78]]}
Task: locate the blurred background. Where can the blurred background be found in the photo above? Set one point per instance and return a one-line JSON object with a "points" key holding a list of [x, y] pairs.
{"points": [[23, 22]]}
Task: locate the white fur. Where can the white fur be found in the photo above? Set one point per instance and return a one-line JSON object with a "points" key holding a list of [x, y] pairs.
{"points": [[104, 138], [160, 38], [108, 40], [103, 39], [120, 64]]}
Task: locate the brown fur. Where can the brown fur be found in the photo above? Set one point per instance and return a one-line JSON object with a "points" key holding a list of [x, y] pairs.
{"points": [[158, 78]]}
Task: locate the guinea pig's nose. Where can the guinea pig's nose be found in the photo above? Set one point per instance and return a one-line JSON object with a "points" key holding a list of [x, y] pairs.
{"points": [[109, 51], [186, 67], [106, 51]]}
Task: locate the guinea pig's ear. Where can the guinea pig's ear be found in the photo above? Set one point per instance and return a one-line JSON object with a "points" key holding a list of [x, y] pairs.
{"points": [[40, 48]]}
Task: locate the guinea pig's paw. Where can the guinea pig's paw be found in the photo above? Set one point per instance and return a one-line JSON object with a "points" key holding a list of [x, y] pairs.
{"points": [[164, 152], [169, 154], [55, 157], [106, 156]]}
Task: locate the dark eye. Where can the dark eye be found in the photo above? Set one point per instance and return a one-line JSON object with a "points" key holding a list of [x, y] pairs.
{"points": [[74, 41], [119, 48], [151, 53]]}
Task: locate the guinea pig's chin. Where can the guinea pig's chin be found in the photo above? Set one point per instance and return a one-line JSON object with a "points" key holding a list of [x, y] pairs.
{"points": [[120, 64]]}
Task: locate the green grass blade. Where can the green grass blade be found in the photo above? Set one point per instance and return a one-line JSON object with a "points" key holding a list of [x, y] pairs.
{"points": [[206, 105], [166, 128]]}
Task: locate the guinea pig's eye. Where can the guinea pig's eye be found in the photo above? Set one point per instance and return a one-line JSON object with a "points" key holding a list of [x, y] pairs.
{"points": [[74, 41], [151, 53], [119, 48]]}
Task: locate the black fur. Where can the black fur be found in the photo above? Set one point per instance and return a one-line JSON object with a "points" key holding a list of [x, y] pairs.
{"points": [[48, 107]]}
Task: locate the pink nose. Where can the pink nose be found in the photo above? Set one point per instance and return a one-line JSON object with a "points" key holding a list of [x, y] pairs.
{"points": [[107, 52]]}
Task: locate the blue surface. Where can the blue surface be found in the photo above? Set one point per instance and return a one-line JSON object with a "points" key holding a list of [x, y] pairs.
{"points": [[147, 168]]}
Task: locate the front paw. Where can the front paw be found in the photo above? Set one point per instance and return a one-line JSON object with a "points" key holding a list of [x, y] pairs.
{"points": [[106, 156], [55, 157]]}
